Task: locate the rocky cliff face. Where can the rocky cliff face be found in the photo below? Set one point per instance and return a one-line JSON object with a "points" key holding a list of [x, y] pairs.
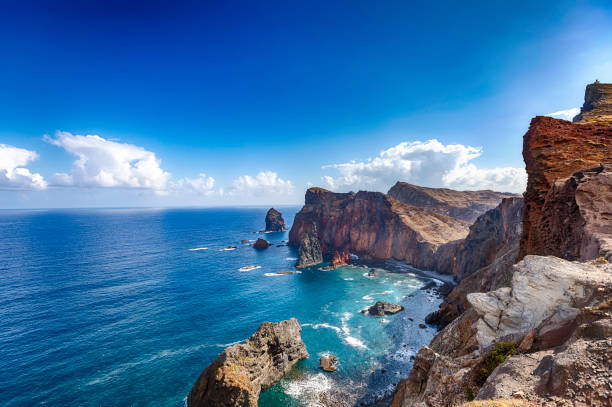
{"points": [[242, 371], [372, 225], [310, 249], [465, 205], [274, 221], [554, 150], [597, 108]]}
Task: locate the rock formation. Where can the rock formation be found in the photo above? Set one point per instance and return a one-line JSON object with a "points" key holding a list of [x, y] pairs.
{"points": [[261, 244], [274, 221], [382, 308], [309, 253], [465, 205], [242, 371], [597, 107], [554, 150], [328, 363], [340, 259], [372, 225]]}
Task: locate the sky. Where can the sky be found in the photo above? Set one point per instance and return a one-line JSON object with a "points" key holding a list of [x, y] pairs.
{"points": [[170, 103]]}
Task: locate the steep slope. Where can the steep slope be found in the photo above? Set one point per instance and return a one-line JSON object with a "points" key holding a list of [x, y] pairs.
{"points": [[597, 107], [465, 205], [372, 225]]}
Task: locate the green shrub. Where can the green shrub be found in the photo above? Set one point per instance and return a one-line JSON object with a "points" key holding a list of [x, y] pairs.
{"points": [[469, 394], [496, 357]]}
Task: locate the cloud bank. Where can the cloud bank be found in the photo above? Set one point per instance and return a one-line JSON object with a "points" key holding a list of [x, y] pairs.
{"points": [[428, 163], [104, 163], [567, 114], [13, 174], [264, 183]]}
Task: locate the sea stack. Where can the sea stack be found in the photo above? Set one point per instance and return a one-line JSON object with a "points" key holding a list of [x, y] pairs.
{"points": [[275, 221], [310, 249], [261, 244], [242, 371]]}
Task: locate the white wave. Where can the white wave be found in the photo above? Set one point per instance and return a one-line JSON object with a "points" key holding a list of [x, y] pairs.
{"points": [[349, 279], [323, 325], [384, 321], [402, 355], [368, 297], [249, 268], [195, 249], [291, 258], [277, 274], [308, 389], [368, 276], [298, 272], [226, 249], [355, 343], [227, 345]]}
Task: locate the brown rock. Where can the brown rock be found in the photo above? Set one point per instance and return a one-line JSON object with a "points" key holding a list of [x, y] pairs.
{"points": [[553, 150], [242, 371], [328, 363], [384, 308], [597, 108], [274, 221], [340, 259], [374, 226], [527, 341], [261, 244], [465, 205]]}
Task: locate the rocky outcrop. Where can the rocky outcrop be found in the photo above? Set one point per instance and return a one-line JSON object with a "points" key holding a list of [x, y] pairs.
{"points": [[554, 150], [465, 205], [340, 259], [310, 253], [274, 221], [242, 371], [261, 244], [546, 293], [597, 107], [374, 226], [382, 308], [328, 363]]}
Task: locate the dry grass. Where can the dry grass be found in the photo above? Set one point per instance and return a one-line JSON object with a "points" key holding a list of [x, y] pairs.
{"points": [[500, 403]]}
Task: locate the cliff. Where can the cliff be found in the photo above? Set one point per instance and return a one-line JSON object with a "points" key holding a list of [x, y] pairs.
{"points": [[242, 371], [597, 107], [274, 221], [372, 225], [554, 150], [465, 205]]}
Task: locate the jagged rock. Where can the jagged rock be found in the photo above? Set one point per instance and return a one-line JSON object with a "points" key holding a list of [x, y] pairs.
{"points": [[597, 107], [384, 308], [261, 244], [328, 363], [242, 371], [372, 273], [465, 205], [374, 226], [274, 221], [310, 249], [553, 150], [542, 289], [340, 259]]}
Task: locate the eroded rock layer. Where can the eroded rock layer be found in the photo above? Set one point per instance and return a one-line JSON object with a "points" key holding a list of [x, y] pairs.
{"points": [[372, 225], [555, 150], [597, 108], [465, 205], [242, 371]]}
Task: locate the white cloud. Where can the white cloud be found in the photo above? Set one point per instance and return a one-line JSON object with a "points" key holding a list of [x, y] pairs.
{"points": [[105, 163], [428, 163], [201, 185], [13, 174], [264, 183], [567, 114]]}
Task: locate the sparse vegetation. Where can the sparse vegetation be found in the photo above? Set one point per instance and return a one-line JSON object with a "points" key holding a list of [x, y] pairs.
{"points": [[601, 260], [496, 357], [469, 394], [499, 403]]}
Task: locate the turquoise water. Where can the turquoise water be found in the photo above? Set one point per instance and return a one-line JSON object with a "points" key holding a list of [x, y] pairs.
{"points": [[114, 308]]}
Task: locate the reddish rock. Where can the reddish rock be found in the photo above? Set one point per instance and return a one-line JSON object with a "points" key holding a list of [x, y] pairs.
{"points": [[372, 225], [274, 221], [597, 108], [261, 244], [466, 205], [555, 150], [340, 259]]}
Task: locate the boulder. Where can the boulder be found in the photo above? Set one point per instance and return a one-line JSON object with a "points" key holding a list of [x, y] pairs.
{"points": [[261, 244], [328, 363], [309, 253], [242, 371], [274, 221], [384, 308]]}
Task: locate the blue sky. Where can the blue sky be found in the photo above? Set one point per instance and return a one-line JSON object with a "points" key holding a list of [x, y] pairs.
{"points": [[108, 104]]}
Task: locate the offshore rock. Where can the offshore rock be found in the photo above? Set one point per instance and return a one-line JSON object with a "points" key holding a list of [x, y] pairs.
{"points": [[261, 244], [555, 150], [274, 221], [340, 259], [597, 107], [328, 363], [242, 371], [310, 249], [374, 226], [384, 308], [465, 205]]}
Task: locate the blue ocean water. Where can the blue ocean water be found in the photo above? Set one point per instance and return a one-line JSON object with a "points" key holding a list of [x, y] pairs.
{"points": [[114, 307]]}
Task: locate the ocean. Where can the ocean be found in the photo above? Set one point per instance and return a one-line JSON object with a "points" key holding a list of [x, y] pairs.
{"points": [[126, 307]]}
